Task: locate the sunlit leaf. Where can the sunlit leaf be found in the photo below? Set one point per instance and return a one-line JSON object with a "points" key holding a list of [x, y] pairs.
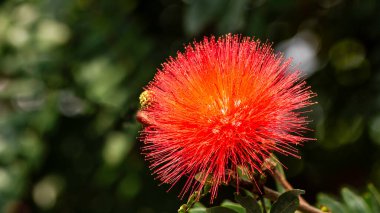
{"points": [[234, 206], [220, 209], [198, 210]]}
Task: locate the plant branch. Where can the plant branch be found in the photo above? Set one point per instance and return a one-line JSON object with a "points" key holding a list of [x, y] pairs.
{"points": [[284, 182], [273, 196]]}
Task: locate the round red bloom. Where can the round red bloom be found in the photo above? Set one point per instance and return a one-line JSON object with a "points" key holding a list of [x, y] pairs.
{"points": [[219, 105]]}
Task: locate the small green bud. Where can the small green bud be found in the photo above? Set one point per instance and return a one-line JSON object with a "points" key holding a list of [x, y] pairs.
{"points": [[183, 209]]}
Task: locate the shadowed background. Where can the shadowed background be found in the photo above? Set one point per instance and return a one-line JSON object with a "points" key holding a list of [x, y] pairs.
{"points": [[71, 72]]}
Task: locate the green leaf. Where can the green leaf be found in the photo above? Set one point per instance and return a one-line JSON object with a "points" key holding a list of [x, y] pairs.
{"points": [[250, 204], [267, 204], [220, 209], [199, 205], [234, 206], [198, 208], [354, 202], [280, 169], [332, 204], [288, 202], [374, 198]]}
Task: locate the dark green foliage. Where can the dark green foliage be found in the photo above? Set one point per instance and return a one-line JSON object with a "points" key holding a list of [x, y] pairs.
{"points": [[374, 198], [250, 204], [288, 202], [352, 202], [331, 203]]}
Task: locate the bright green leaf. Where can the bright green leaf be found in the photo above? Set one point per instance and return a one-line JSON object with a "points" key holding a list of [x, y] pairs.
{"points": [[220, 209], [198, 210], [233, 206]]}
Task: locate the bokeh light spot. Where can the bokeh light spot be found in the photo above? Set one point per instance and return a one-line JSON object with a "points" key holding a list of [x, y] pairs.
{"points": [[116, 148], [302, 48], [45, 192]]}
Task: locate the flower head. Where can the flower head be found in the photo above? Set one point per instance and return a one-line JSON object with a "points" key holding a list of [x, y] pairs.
{"points": [[221, 105]]}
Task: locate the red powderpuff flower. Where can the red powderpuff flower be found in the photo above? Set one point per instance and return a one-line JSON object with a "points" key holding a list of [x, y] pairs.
{"points": [[220, 105]]}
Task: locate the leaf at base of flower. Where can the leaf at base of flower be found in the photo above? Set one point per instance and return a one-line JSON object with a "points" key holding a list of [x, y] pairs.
{"points": [[280, 188], [288, 202], [250, 204], [203, 177], [242, 172]]}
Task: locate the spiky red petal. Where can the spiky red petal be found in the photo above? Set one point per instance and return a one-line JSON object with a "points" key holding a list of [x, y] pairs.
{"points": [[221, 104]]}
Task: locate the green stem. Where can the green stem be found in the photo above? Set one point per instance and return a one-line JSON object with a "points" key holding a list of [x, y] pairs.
{"points": [[263, 204], [194, 198]]}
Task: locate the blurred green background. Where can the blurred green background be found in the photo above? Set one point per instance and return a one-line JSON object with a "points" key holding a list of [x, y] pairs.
{"points": [[71, 72]]}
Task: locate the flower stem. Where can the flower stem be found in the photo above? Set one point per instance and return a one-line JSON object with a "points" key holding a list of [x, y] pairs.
{"points": [[284, 182], [273, 196]]}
